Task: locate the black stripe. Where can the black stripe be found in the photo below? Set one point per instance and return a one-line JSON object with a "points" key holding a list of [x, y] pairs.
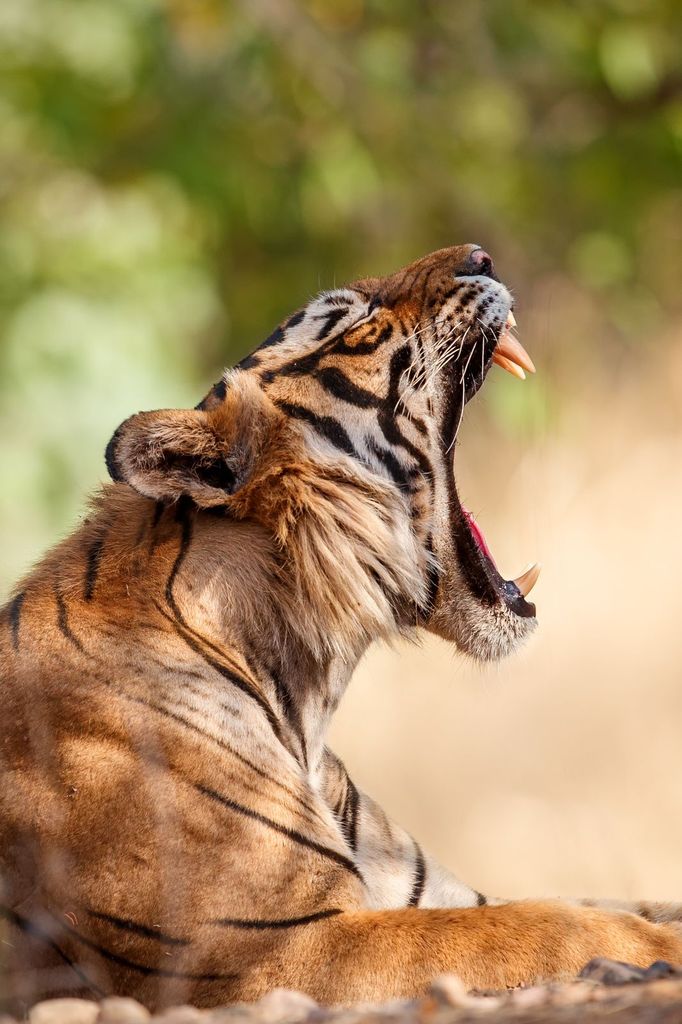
{"points": [[215, 396], [443, 297], [301, 366], [295, 319], [92, 568], [181, 623], [290, 833], [327, 426], [291, 712], [224, 745], [350, 813], [272, 339], [481, 900], [417, 422], [398, 473], [63, 623], [419, 876], [399, 362], [248, 361], [404, 286], [338, 384], [287, 922], [331, 319], [286, 701], [363, 348], [189, 637], [426, 281], [36, 932], [156, 972], [15, 618], [138, 929], [393, 435]]}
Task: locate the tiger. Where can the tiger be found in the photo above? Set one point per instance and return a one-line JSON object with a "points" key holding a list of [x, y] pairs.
{"points": [[173, 825]]}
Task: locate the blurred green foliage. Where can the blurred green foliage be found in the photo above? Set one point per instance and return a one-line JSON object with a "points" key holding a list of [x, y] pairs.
{"points": [[176, 175]]}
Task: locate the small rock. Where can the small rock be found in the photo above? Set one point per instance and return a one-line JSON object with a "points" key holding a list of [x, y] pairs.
{"points": [[180, 1015], [662, 969], [572, 995], [59, 1011], [449, 990], [119, 1010], [282, 1006], [238, 1013], [612, 972], [528, 998]]}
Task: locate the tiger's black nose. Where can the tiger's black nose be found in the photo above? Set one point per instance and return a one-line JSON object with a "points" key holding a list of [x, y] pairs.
{"points": [[481, 263]]}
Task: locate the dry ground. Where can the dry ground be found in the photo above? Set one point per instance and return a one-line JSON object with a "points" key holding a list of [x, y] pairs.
{"points": [[608, 992]]}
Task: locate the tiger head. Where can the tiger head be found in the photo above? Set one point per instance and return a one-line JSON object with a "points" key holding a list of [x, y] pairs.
{"points": [[337, 435]]}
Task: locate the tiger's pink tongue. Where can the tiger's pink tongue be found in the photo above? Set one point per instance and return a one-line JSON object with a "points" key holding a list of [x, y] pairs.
{"points": [[478, 535], [526, 581]]}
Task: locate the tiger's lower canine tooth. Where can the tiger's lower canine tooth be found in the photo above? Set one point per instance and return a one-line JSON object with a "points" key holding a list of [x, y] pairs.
{"points": [[527, 580]]}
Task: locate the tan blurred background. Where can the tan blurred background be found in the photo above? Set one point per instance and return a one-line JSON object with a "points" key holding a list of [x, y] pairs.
{"points": [[177, 175]]}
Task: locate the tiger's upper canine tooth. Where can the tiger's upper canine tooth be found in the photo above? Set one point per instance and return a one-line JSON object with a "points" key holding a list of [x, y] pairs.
{"points": [[511, 319], [509, 365], [511, 349], [527, 580]]}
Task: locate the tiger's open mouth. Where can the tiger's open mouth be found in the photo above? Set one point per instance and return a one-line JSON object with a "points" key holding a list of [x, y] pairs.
{"points": [[475, 555]]}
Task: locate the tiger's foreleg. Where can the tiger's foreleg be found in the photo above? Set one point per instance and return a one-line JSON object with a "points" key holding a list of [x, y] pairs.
{"points": [[379, 955], [399, 873]]}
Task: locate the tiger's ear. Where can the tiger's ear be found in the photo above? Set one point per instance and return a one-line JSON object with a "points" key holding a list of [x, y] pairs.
{"points": [[204, 454]]}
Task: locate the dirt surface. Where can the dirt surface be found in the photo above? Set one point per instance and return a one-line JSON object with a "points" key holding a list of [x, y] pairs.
{"points": [[605, 991]]}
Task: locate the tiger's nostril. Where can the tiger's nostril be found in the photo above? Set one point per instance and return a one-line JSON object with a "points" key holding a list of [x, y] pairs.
{"points": [[482, 262]]}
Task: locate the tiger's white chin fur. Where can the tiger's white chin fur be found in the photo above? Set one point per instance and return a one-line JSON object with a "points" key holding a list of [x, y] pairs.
{"points": [[482, 633]]}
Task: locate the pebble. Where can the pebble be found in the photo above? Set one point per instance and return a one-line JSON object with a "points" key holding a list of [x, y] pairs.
{"points": [[449, 990], [180, 1015], [238, 1013], [529, 998], [282, 1006], [612, 972], [59, 1011], [119, 1010]]}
